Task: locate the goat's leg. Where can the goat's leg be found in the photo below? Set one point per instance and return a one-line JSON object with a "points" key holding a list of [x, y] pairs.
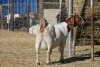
{"points": [[37, 45], [62, 55], [61, 49], [49, 51]]}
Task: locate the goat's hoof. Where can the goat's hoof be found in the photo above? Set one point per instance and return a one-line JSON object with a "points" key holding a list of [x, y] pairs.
{"points": [[38, 63], [61, 61], [48, 63]]}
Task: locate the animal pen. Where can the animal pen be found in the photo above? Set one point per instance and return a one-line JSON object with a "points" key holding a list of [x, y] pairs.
{"points": [[18, 44]]}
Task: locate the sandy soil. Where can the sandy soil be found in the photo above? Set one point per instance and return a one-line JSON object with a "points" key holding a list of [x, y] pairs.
{"points": [[17, 50]]}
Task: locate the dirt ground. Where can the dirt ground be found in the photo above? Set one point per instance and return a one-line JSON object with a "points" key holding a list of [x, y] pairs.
{"points": [[17, 50]]}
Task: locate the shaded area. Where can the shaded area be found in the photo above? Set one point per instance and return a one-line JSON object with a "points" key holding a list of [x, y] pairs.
{"points": [[82, 57], [97, 54]]}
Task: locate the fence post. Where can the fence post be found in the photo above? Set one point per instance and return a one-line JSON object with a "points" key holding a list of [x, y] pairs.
{"points": [[92, 31], [60, 2], [2, 15], [40, 9], [28, 11], [12, 15], [70, 33]]}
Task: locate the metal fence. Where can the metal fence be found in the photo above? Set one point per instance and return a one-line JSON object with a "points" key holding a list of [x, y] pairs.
{"points": [[18, 47]]}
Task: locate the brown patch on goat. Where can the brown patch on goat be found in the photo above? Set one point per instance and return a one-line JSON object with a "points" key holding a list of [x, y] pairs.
{"points": [[42, 25], [70, 22]]}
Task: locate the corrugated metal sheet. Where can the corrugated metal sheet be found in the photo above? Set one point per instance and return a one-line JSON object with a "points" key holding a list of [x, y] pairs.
{"points": [[20, 6]]}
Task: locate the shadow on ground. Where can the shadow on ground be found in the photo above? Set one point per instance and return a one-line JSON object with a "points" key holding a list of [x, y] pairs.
{"points": [[78, 58]]}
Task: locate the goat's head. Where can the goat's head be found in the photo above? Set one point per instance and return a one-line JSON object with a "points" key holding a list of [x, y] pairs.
{"points": [[43, 24], [74, 20]]}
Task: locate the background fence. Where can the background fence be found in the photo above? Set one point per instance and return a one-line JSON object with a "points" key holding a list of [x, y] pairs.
{"points": [[17, 48]]}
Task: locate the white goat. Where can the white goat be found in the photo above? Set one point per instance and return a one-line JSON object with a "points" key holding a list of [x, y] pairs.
{"points": [[51, 37]]}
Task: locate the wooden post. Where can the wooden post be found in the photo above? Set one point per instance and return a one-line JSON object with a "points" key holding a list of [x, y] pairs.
{"points": [[40, 9], [76, 29], [2, 15], [12, 15], [60, 2], [74, 39], [28, 10]]}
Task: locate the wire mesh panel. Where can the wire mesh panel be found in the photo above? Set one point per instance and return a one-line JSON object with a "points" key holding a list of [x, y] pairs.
{"points": [[17, 47]]}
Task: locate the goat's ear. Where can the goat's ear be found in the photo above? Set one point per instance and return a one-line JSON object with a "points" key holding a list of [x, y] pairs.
{"points": [[67, 20], [70, 19], [79, 20]]}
